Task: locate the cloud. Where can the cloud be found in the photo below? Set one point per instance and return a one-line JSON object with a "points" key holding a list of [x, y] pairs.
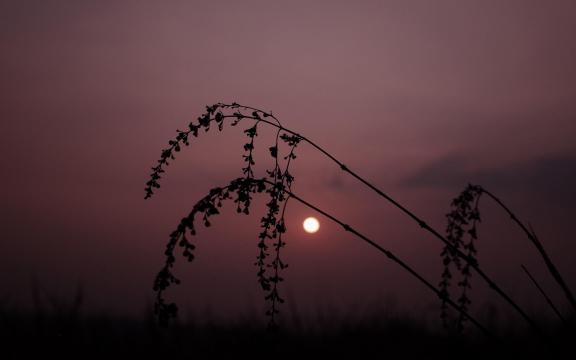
{"points": [[553, 177]]}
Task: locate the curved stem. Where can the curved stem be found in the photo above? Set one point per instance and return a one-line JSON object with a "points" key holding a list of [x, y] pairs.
{"points": [[546, 297], [534, 240], [239, 116], [389, 254], [175, 238], [418, 220]]}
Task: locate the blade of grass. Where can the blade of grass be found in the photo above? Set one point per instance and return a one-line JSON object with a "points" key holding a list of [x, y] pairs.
{"points": [[239, 116], [421, 223], [546, 297], [536, 242], [390, 256]]}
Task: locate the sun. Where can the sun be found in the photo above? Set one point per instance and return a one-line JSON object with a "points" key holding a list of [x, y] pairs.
{"points": [[311, 225]]}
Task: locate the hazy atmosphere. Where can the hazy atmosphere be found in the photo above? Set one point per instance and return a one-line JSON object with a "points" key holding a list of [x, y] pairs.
{"points": [[420, 97]]}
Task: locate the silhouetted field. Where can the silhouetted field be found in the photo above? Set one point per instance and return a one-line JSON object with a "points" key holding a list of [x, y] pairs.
{"points": [[65, 333]]}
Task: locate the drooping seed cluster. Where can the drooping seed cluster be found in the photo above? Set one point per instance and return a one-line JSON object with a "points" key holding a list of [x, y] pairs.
{"points": [[270, 239], [461, 233]]}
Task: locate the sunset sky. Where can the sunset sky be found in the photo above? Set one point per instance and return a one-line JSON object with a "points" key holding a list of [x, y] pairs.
{"points": [[419, 97]]}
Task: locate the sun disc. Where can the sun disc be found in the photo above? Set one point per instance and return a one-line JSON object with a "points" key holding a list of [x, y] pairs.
{"points": [[311, 225]]}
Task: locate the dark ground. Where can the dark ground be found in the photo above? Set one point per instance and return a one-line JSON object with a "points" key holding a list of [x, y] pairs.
{"points": [[65, 333]]}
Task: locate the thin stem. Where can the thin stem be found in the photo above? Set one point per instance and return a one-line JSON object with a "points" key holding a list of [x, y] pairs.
{"points": [[419, 221], [534, 239], [239, 116], [390, 255], [546, 297]]}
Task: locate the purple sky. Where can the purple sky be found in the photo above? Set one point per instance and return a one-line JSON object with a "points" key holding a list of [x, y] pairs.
{"points": [[420, 97]]}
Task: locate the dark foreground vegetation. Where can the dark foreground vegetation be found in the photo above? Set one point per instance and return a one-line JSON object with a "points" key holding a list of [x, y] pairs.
{"points": [[460, 249], [469, 336], [65, 333]]}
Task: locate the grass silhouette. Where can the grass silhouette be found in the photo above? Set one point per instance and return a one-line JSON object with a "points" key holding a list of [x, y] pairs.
{"points": [[277, 184], [58, 333], [65, 329], [462, 223], [539, 247]]}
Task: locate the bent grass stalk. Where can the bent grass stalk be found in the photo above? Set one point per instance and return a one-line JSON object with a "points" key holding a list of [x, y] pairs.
{"points": [[545, 296], [538, 245], [259, 185], [395, 259], [462, 220], [215, 114]]}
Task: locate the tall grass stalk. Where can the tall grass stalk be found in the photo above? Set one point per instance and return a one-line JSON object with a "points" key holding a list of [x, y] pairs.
{"points": [[539, 247], [545, 296], [462, 225], [218, 113], [259, 186]]}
